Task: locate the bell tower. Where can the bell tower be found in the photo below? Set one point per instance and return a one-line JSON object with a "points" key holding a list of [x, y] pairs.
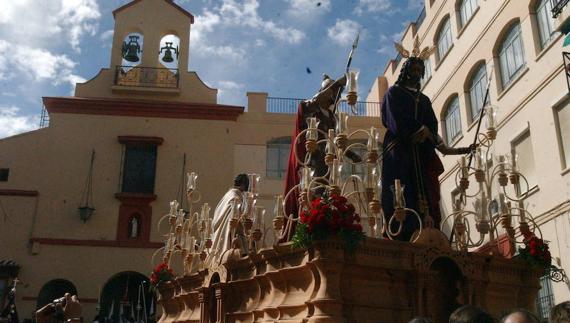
{"points": [[149, 56]]}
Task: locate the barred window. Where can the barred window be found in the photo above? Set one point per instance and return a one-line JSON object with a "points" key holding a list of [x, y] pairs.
{"points": [[545, 298], [467, 9], [277, 156], [477, 91], [511, 55], [452, 121], [544, 21], [139, 169], [444, 39]]}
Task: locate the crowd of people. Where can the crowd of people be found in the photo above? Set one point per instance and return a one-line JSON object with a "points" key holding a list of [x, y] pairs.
{"points": [[472, 314]]}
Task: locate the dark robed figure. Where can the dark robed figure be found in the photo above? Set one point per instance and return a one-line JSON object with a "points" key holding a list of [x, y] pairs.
{"points": [[409, 150]]}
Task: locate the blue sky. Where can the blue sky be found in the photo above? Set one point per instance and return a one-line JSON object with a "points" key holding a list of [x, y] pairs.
{"points": [[236, 46]]}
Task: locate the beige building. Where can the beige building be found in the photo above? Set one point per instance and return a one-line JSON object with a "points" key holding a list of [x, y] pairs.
{"points": [[121, 145], [516, 43]]}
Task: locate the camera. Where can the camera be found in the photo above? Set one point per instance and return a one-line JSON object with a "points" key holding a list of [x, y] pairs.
{"points": [[61, 301]]}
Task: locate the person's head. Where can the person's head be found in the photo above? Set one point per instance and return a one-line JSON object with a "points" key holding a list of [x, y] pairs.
{"points": [[520, 315], [241, 182], [560, 313], [329, 91], [420, 320], [412, 72], [470, 314]]}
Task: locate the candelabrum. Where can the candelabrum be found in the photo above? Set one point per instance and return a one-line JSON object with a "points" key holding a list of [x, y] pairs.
{"points": [[190, 232], [500, 179], [363, 191]]}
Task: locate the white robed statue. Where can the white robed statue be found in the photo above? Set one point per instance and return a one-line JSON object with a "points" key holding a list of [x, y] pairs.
{"points": [[225, 238]]}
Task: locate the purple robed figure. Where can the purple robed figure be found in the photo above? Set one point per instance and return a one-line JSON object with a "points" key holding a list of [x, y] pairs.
{"points": [[415, 164], [409, 150]]}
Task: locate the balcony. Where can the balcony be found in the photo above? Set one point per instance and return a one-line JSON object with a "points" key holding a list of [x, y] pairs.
{"points": [[557, 7], [289, 106], [146, 77]]}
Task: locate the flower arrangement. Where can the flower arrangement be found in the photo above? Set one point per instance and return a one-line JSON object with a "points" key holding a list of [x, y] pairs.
{"points": [[535, 252], [162, 273], [329, 215]]}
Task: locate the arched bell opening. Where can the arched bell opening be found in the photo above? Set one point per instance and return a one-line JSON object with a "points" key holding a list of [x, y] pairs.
{"points": [[169, 52], [132, 51]]}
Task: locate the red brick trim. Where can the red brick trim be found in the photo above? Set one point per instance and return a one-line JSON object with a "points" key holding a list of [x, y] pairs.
{"points": [[167, 1], [138, 140], [98, 243], [142, 108], [9, 192]]}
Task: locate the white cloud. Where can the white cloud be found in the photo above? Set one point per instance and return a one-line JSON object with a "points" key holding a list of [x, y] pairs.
{"points": [[415, 4], [308, 8], [245, 14], [36, 64], [344, 31], [11, 123], [372, 6], [230, 85], [47, 23], [106, 35]]}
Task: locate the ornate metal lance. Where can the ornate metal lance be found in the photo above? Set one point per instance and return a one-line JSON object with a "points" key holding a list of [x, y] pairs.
{"points": [[349, 61]]}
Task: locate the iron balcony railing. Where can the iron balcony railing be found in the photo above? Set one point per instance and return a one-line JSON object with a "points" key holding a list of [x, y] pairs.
{"points": [[558, 6], [146, 77], [290, 105]]}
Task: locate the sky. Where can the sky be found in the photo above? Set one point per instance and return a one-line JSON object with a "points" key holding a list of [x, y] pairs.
{"points": [[281, 47]]}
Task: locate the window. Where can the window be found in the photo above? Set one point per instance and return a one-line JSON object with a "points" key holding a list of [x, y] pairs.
{"points": [[4, 173], [522, 146], [466, 10], [139, 169], [562, 117], [444, 39], [545, 298], [277, 156], [511, 55], [452, 121], [544, 21], [477, 88], [427, 75]]}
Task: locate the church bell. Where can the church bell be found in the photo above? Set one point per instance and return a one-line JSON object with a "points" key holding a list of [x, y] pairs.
{"points": [[167, 58], [131, 49]]}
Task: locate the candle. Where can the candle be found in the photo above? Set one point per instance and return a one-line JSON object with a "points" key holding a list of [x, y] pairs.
{"points": [[491, 114], [341, 126], [253, 183], [191, 185], [306, 178], [173, 207], [397, 190], [478, 163], [335, 174], [330, 142], [311, 129], [353, 81], [464, 171], [258, 217], [514, 158], [484, 205], [501, 159], [278, 211], [502, 205], [209, 227], [370, 180], [372, 144]]}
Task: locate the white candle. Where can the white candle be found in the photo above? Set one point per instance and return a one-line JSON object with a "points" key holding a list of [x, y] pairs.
{"points": [[502, 205], [278, 211], [352, 81], [341, 126], [478, 163], [464, 172], [253, 183], [372, 144], [191, 185], [397, 190], [330, 142], [501, 163], [522, 212], [306, 178], [335, 174]]}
